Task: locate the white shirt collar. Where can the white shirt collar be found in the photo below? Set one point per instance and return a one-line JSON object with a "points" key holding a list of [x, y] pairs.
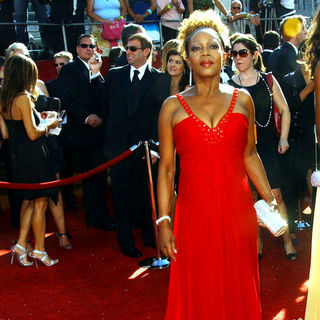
{"points": [[294, 47], [142, 70]]}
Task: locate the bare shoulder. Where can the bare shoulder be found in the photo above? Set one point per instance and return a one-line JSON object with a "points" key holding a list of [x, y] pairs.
{"points": [[317, 71], [243, 95], [170, 105], [23, 101]]}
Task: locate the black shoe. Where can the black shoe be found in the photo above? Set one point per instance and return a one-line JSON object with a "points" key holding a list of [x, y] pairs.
{"points": [[292, 256], [131, 252]]}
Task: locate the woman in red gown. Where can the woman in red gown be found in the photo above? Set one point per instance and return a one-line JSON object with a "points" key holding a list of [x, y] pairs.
{"points": [[213, 245]]}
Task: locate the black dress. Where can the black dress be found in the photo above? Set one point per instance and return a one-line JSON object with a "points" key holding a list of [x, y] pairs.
{"points": [[29, 161], [267, 141]]}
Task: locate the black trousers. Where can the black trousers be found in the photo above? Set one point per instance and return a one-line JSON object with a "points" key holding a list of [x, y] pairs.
{"points": [[131, 199], [293, 179], [168, 33], [96, 212], [7, 32]]}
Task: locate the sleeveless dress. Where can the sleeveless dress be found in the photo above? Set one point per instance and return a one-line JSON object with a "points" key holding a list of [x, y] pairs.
{"points": [[29, 161], [216, 274], [267, 141]]}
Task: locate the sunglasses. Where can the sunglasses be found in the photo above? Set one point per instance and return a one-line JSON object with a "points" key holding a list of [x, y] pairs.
{"points": [[85, 46], [61, 64], [133, 48], [236, 8], [243, 53]]}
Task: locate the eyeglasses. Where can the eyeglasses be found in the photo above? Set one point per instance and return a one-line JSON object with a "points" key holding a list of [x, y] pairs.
{"points": [[84, 46], [61, 64], [133, 48], [235, 8], [243, 53]]}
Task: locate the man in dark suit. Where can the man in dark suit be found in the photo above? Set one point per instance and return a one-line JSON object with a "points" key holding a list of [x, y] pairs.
{"points": [[134, 95], [60, 59], [79, 86], [271, 41], [284, 59]]}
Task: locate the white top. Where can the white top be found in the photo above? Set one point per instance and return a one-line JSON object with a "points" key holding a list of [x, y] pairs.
{"points": [[107, 9], [172, 14], [288, 4]]}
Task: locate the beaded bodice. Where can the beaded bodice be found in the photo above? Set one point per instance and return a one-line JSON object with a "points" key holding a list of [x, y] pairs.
{"points": [[211, 135]]}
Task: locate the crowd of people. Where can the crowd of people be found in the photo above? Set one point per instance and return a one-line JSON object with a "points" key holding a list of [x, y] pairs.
{"points": [[212, 106]]}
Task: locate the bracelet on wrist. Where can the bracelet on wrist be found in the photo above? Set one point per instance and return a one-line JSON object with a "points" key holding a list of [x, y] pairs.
{"points": [[169, 6], [121, 17], [162, 219], [149, 11], [248, 15], [46, 130]]}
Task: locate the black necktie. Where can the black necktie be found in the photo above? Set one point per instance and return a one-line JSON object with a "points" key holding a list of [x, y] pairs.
{"points": [[134, 93]]}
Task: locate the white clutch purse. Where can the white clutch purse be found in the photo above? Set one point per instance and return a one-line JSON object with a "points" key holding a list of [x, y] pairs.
{"points": [[315, 178], [271, 219]]}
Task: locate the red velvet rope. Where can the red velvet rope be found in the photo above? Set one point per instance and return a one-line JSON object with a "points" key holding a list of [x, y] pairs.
{"points": [[63, 182]]}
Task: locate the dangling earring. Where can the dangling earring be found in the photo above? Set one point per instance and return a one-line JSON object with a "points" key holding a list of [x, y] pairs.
{"points": [[190, 78]]}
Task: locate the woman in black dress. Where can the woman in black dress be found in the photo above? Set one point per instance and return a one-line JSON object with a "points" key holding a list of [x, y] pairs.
{"points": [[251, 77], [28, 154]]}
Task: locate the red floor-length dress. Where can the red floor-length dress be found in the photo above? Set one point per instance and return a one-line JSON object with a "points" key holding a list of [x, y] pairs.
{"points": [[216, 274]]}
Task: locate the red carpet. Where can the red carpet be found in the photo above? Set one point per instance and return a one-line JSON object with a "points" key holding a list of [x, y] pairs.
{"points": [[95, 281]]}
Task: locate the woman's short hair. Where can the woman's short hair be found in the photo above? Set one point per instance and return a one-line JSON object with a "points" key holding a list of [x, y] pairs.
{"points": [[251, 43], [20, 76], [17, 46], [65, 55], [201, 20]]}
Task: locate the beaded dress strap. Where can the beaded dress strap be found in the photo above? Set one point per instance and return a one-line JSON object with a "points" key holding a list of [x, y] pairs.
{"points": [[190, 113], [234, 99], [184, 104]]}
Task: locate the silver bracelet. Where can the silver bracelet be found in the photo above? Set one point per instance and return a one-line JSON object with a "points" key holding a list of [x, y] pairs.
{"points": [[163, 218]]}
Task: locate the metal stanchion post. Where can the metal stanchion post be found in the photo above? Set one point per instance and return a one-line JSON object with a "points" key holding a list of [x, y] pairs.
{"points": [[157, 262], [63, 27]]}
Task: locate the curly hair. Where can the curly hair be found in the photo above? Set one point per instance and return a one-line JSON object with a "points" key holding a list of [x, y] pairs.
{"points": [[201, 19], [312, 53], [251, 43]]}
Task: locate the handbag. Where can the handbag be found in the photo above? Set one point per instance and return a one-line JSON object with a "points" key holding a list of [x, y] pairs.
{"points": [[271, 219], [275, 110], [112, 32]]}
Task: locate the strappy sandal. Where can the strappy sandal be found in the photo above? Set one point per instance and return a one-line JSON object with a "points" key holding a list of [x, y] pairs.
{"points": [[66, 234], [43, 259], [20, 257]]}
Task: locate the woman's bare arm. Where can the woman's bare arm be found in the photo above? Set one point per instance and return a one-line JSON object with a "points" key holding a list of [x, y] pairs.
{"points": [[252, 161], [3, 128], [166, 173], [284, 111], [317, 96], [25, 108]]}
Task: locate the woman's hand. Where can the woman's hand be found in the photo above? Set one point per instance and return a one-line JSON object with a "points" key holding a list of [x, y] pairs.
{"points": [[109, 22], [53, 124], [138, 18], [283, 146], [167, 240]]}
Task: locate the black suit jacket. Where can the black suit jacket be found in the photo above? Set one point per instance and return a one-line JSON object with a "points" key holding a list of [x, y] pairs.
{"points": [[124, 130], [52, 87], [80, 97], [283, 61]]}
